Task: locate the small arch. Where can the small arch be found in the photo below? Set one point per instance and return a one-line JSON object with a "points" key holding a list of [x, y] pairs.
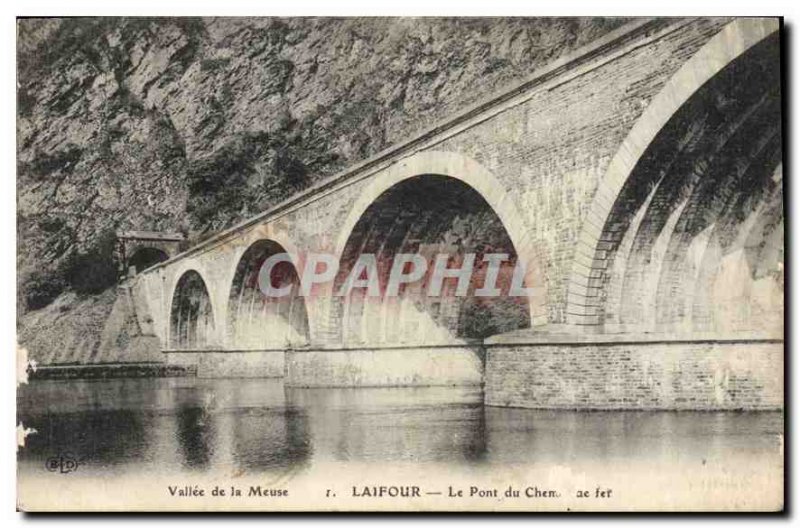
{"points": [[255, 320], [191, 314]]}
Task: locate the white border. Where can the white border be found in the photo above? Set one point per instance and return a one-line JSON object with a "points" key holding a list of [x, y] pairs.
{"points": [[787, 8]]}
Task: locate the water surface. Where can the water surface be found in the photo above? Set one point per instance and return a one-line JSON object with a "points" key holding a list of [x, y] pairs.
{"points": [[190, 425]]}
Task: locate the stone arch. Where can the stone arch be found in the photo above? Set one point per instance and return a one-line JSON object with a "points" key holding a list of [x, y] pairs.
{"points": [[140, 250], [254, 320], [192, 324], [474, 180], [603, 237]]}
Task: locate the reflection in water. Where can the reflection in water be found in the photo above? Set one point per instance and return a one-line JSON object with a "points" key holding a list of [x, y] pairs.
{"points": [[257, 425], [102, 437], [570, 438], [429, 424], [195, 435], [164, 425]]}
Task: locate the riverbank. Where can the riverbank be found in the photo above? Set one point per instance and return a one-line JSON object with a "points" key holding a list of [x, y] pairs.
{"points": [[111, 371]]}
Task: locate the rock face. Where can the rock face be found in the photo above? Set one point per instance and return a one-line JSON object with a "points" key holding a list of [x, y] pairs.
{"points": [[193, 124]]}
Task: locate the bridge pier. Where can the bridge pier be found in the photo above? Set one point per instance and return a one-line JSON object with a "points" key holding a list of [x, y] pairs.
{"points": [[538, 370], [619, 371], [458, 364], [231, 363]]}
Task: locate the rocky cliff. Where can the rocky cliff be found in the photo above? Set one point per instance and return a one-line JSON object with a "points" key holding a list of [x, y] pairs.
{"points": [[193, 124]]}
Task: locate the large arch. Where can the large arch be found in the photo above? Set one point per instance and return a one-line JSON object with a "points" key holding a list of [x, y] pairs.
{"points": [[697, 171], [256, 321], [484, 183], [420, 208], [191, 316]]}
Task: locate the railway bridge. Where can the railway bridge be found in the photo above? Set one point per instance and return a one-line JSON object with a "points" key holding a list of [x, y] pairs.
{"points": [[638, 184]]}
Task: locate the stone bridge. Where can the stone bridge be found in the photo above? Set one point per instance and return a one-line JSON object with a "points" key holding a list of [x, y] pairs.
{"points": [[639, 182]]}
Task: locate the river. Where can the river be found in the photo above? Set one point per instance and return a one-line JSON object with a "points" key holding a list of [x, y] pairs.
{"points": [[190, 426]]}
